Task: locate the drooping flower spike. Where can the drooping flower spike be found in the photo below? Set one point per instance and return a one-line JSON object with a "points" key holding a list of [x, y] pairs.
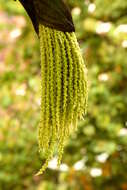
{"points": [[63, 75]]}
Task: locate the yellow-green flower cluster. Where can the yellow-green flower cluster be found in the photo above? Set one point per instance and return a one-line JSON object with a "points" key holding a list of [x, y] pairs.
{"points": [[64, 90]]}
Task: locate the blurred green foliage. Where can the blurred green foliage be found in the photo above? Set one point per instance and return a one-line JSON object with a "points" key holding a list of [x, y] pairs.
{"points": [[97, 153]]}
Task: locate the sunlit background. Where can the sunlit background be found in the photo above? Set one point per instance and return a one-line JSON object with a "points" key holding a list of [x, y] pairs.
{"points": [[95, 156]]}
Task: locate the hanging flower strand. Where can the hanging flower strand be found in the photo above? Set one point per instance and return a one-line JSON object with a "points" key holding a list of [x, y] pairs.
{"points": [[64, 88]]}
